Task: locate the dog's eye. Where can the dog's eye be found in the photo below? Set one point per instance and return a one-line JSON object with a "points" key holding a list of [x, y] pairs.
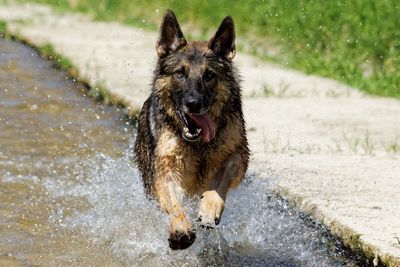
{"points": [[180, 73], [209, 76]]}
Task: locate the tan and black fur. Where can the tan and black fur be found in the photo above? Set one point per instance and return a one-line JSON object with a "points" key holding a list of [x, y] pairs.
{"points": [[193, 81]]}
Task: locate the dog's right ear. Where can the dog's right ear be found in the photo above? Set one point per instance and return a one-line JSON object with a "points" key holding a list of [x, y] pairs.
{"points": [[170, 37]]}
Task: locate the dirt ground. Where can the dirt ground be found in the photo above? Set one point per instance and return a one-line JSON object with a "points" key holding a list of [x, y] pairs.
{"points": [[326, 146]]}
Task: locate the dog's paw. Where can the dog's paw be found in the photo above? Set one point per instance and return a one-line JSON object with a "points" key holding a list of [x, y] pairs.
{"points": [[182, 235], [210, 210], [181, 240]]}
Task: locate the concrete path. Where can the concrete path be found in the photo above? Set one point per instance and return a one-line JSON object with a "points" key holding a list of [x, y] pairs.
{"points": [[327, 147]]}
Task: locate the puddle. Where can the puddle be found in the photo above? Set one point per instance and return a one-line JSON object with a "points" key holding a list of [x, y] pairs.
{"points": [[71, 195]]}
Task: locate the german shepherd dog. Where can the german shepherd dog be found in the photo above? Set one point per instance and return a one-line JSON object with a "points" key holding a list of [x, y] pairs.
{"points": [[191, 132]]}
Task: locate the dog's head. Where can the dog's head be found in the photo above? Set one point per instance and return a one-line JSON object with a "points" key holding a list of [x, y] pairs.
{"points": [[192, 77]]}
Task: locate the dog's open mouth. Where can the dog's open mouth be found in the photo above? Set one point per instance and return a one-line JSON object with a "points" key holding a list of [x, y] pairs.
{"points": [[196, 126]]}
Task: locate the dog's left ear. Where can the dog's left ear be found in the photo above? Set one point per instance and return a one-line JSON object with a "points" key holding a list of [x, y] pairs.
{"points": [[170, 38], [223, 42]]}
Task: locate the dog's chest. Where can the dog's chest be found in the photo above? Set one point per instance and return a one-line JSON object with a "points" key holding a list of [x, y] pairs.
{"points": [[200, 167]]}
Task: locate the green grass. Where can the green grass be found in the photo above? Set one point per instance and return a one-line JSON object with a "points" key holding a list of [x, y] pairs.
{"points": [[3, 28], [357, 41], [59, 62]]}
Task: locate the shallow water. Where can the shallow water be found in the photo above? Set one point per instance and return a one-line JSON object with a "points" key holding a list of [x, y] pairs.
{"points": [[71, 195]]}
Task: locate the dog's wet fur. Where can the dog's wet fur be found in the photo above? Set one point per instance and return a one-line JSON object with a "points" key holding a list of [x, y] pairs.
{"points": [[191, 132]]}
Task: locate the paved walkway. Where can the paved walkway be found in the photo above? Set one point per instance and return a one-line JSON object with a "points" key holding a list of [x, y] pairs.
{"points": [[327, 147]]}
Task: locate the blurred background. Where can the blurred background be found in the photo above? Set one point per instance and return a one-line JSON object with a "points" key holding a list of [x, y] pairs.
{"points": [[356, 42]]}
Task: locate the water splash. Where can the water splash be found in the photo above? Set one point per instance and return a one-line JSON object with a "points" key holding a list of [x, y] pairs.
{"points": [[257, 228]]}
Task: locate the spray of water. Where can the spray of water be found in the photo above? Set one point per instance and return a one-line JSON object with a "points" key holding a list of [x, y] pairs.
{"points": [[258, 228]]}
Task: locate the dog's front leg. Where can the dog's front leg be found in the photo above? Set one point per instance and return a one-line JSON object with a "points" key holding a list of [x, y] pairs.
{"points": [[170, 196], [169, 169], [212, 201]]}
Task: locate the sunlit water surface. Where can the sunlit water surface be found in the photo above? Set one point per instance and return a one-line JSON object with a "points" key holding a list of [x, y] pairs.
{"points": [[70, 194]]}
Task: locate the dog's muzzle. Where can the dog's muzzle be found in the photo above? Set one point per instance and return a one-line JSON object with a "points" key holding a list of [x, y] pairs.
{"points": [[196, 126]]}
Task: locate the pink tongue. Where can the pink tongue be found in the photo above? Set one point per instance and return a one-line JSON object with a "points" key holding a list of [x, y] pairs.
{"points": [[206, 124]]}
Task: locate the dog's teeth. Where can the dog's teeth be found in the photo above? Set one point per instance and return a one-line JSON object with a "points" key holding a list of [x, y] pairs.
{"points": [[188, 134]]}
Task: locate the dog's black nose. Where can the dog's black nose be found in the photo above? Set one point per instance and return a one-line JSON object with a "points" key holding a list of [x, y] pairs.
{"points": [[193, 105]]}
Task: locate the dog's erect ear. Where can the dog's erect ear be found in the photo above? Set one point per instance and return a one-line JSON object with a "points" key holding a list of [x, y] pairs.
{"points": [[223, 42], [170, 38]]}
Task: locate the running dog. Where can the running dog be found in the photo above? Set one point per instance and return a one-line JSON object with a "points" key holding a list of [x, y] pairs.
{"points": [[191, 132]]}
